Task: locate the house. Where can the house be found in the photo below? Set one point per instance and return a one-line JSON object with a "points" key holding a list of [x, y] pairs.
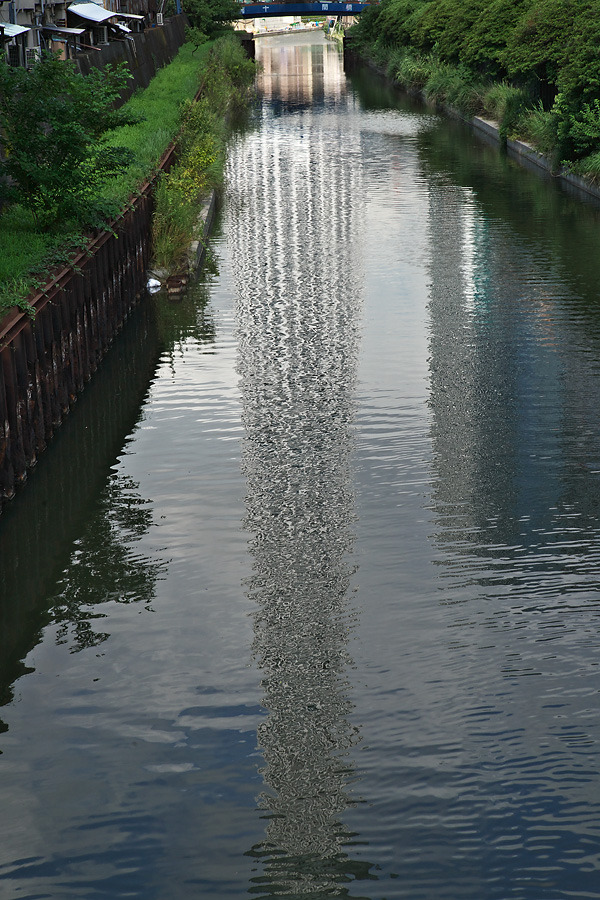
{"points": [[29, 26], [16, 27]]}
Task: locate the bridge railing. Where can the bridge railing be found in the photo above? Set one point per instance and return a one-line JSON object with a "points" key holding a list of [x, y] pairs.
{"points": [[323, 7]]}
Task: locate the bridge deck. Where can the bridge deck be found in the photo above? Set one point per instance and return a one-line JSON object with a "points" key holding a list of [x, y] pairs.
{"points": [[323, 8]]}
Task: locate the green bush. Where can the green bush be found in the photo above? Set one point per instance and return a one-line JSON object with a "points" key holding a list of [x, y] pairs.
{"points": [[535, 45], [455, 86], [509, 105], [396, 18], [413, 70], [538, 127], [27, 250], [53, 123], [589, 167], [534, 65], [484, 44]]}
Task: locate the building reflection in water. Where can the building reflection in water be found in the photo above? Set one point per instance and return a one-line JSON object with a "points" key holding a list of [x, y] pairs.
{"points": [[298, 317], [470, 385], [300, 72]]}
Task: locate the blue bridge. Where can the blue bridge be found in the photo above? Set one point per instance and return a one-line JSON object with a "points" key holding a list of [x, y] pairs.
{"points": [[323, 8]]}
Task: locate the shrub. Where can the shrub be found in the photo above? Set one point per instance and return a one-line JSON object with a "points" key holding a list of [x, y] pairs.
{"points": [[52, 126], [413, 70], [539, 128], [508, 105], [589, 167], [202, 142], [27, 251]]}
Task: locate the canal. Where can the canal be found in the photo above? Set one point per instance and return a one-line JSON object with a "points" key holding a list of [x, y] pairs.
{"points": [[304, 599]]}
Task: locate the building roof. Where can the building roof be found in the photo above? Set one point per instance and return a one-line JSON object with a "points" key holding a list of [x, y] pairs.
{"points": [[58, 28], [91, 11], [11, 31]]}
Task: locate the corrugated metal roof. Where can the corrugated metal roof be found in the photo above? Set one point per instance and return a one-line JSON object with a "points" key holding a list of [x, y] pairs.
{"points": [[59, 28], [91, 11], [12, 31]]}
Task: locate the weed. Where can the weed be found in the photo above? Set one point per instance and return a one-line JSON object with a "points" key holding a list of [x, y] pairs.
{"points": [[202, 143]]}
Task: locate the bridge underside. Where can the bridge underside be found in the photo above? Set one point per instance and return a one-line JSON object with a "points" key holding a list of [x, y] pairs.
{"points": [[260, 10]]}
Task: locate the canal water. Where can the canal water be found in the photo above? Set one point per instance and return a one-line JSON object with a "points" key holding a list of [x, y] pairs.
{"points": [[304, 599]]}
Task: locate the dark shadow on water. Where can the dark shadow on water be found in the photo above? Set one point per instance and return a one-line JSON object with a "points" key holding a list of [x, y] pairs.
{"points": [[67, 542]]}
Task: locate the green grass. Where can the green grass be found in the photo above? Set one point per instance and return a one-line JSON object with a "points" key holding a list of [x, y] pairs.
{"points": [[589, 168], [160, 108], [26, 253], [21, 245]]}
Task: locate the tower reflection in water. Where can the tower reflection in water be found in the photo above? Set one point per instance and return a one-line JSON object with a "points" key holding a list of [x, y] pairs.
{"points": [[298, 315]]}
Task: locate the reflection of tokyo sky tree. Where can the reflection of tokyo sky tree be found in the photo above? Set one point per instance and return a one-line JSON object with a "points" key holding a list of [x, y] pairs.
{"points": [[298, 319]]}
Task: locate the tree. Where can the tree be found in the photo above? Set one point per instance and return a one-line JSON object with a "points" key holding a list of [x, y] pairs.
{"points": [[209, 18], [535, 46], [52, 126], [485, 43]]}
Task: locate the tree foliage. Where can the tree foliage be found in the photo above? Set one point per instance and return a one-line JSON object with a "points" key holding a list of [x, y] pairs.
{"points": [[445, 24], [395, 21], [535, 45], [52, 126], [209, 18], [484, 44], [546, 51]]}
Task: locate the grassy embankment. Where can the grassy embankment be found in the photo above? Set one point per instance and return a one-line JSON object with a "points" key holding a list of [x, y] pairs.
{"points": [[227, 77], [532, 65], [165, 107]]}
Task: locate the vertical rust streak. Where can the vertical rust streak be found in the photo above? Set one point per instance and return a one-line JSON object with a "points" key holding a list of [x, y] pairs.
{"points": [[7, 481], [15, 444], [51, 345], [36, 398], [83, 329], [24, 399]]}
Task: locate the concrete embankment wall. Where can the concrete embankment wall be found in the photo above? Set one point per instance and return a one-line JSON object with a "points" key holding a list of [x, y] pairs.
{"points": [[529, 157]]}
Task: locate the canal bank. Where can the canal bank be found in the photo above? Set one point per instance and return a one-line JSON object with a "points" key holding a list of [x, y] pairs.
{"points": [[47, 358], [525, 154]]}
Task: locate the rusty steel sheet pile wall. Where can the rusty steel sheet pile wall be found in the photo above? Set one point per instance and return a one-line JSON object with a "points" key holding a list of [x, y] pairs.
{"points": [[45, 361]]}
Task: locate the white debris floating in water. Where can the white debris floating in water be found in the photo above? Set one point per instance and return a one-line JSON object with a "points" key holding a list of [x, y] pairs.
{"points": [[153, 285]]}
